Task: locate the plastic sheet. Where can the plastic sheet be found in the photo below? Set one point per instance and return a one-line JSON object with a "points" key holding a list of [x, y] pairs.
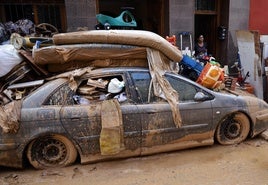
{"points": [[115, 86], [9, 58], [158, 65], [112, 134], [9, 117]]}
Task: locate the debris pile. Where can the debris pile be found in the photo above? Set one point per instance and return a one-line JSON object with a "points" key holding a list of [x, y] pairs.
{"points": [[95, 48], [208, 72], [31, 60], [22, 27], [17, 40], [35, 53]]}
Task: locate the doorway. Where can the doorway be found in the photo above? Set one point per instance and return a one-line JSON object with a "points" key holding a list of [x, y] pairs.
{"points": [[210, 15], [206, 25], [150, 15]]}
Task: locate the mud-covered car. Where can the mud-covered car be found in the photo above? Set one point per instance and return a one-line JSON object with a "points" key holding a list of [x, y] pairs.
{"points": [[89, 118]]}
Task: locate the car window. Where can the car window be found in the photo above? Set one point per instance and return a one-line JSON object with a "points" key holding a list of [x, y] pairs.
{"points": [[142, 83], [102, 88], [61, 96], [185, 89]]}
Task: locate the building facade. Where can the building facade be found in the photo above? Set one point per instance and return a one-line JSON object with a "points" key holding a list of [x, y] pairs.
{"points": [[165, 17]]}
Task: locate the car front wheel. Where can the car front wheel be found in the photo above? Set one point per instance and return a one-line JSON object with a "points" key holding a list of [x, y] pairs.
{"points": [[233, 129], [51, 151]]}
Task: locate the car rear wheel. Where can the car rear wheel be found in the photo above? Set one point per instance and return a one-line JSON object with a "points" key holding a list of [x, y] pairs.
{"points": [[233, 129], [51, 151]]}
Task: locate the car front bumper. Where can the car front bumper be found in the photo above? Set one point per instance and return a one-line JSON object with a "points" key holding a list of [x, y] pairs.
{"points": [[261, 123]]}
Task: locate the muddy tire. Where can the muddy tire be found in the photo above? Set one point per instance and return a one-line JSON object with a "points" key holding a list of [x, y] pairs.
{"points": [[233, 129], [51, 151]]}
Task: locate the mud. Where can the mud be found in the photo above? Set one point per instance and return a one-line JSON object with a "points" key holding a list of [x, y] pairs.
{"points": [[245, 164]]}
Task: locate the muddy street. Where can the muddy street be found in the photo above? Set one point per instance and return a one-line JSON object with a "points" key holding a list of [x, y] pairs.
{"points": [[246, 163]]}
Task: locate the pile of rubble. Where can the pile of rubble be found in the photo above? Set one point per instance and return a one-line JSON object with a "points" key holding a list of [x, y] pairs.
{"points": [[72, 52], [28, 61], [16, 46], [25, 27], [31, 47]]}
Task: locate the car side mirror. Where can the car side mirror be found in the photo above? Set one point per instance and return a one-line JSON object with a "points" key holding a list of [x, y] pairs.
{"points": [[200, 96]]}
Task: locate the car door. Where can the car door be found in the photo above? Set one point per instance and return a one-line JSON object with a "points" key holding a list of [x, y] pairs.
{"points": [[84, 122], [159, 132], [197, 116]]}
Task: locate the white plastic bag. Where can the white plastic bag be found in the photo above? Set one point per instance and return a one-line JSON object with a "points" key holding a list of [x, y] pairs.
{"points": [[9, 58], [115, 86]]}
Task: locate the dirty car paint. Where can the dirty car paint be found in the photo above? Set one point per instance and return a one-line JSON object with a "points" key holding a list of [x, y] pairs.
{"points": [[258, 111], [148, 127]]}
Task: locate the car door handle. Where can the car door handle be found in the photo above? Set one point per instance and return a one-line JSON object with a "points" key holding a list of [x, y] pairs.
{"points": [[75, 119]]}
